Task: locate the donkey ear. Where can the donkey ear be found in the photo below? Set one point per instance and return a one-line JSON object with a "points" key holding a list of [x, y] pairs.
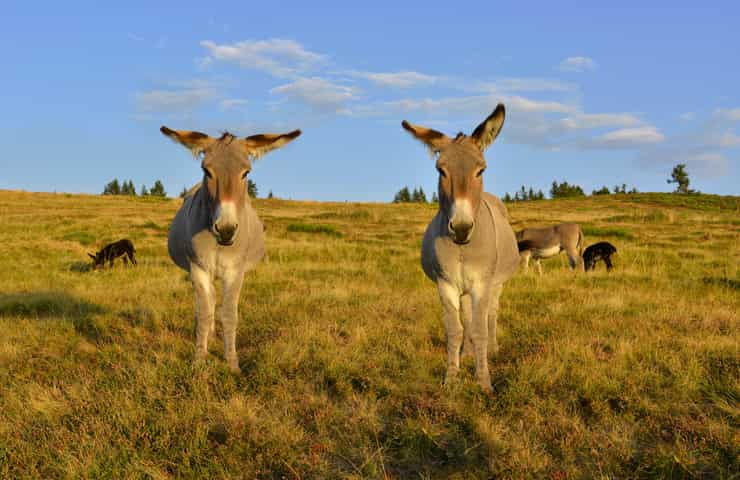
{"points": [[258, 145], [92, 256], [433, 139], [486, 132], [196, 142]]}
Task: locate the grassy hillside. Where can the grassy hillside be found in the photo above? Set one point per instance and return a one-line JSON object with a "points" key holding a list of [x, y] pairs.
{"points": [[635, 374]]}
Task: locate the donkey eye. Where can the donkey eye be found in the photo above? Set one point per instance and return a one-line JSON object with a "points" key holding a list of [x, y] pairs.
{"points": [[206, 172], [480, 172], [244, 175], [441, 172]]}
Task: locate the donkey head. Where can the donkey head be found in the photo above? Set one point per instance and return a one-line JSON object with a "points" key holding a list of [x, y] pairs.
{"points": [[226, 161], [98, 260], [460, 164]]}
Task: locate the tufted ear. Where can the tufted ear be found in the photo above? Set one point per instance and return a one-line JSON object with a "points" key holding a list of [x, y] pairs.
{"points": [[196, 142], [92, 256], [258, 145], [486, 132], [433, 139]]}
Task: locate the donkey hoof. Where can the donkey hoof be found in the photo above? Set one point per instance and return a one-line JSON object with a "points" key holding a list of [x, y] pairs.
{"points": [[233, 364], [485, 385]]}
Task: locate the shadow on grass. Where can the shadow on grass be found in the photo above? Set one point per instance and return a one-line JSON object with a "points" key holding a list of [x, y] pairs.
{"points": [[53, 305], [730, 283]]}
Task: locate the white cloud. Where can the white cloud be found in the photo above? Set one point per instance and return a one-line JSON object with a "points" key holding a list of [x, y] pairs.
{"points": [[172, 101], [730, 114], [687, 116], [596, 120], [516, 84], [279, 57], [629, 137], [577, 64], [229, 103], [724, 140], [318, 93], [405, 79]]}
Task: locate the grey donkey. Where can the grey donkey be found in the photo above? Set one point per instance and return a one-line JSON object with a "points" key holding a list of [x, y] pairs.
{"points": [[546, 242], [469, 249], [216, 233]]}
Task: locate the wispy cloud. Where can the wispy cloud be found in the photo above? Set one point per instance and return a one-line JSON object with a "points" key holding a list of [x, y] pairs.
{"points": [[405, 79], [229, 103], [687, 116], [172, 101], [519, 84], [629, 138], [279, 57], [596, 120], [577, 64], [319, 94]]}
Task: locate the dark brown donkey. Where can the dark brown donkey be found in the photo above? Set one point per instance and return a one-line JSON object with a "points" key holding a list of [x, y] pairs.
{"points": [[122, 248]]}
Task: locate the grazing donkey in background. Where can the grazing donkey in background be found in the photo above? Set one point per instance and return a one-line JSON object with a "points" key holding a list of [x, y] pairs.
{"points": [[122, 248], [469, 248], [599, 251], [546, 242], [216, 232]]}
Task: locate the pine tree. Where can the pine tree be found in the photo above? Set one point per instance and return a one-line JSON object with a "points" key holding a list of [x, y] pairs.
{"points": [[144, 192], [680, 177], [158, 190], [402, 196], [112, 188], [252, 188]]}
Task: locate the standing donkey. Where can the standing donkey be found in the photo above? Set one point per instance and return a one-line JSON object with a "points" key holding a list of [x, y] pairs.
{"points": [[546, 242], [469, 248], [216, 232]]}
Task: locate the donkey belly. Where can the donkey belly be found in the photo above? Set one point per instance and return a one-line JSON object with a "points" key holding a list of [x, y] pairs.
{"points": [[177, 241], [545, 252]]}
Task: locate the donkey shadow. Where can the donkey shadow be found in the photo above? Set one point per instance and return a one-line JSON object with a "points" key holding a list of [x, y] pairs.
{"points": [[52, 305]]}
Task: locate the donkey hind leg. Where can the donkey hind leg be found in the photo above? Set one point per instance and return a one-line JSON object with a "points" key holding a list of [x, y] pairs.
{"points": [[450, 298], [525, 259], [125, 262], [232, 284], [466, 315], [481, 302], [493, 317], [205, 304], [538, 265]]}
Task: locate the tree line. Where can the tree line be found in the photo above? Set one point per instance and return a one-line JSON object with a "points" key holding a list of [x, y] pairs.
{"points": [[416, 196], [114, 187], [679, 176]]}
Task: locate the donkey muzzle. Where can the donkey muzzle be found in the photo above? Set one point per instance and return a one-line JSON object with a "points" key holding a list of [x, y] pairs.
{"points": [[225, 233], [461, 232]]}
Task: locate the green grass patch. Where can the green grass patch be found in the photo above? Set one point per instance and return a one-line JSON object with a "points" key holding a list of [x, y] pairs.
{"points": [[84, 238], [314, 228], [591, 231]]}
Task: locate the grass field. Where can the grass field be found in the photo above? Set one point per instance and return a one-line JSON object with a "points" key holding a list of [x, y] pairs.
{"points": [[634, 374]]}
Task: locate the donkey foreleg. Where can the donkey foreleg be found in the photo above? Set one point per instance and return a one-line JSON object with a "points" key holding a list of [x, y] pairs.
{"points": [[230, 316], [450, 298], [493, 317], [205, 304], [481, 297], [466, 315]]}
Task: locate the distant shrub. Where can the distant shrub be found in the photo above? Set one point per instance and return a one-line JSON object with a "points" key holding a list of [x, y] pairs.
{"points": [[314, 228], [607, 232], [84, 238], [565, 190], [524, 195], [602, 191]]}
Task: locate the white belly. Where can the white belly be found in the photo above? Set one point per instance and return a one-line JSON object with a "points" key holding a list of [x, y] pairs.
{"points": [[546, 252]]}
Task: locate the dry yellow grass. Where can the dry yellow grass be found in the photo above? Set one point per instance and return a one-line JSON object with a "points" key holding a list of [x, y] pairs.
{"points": [[629, 375]]}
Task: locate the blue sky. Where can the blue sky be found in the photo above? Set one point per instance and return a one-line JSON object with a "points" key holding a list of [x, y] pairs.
{"points": [[595, 95]]}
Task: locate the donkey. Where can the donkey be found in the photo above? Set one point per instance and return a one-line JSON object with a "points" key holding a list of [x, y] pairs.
{"points": [[216, 233], [122, 248], [546, 242], [599, 251], [469, 249]]}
